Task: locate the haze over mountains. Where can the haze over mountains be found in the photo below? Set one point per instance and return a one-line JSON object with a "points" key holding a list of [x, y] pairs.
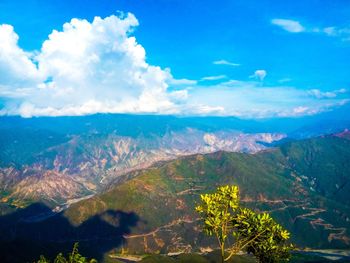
{"points": [[91, 173], [59, 160]]}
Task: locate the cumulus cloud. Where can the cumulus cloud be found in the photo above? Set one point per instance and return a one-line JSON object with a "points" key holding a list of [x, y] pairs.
{"points": [[16, 67], [98, 66], [225, 62], [84, 68], [259, 74], [288, 25]]}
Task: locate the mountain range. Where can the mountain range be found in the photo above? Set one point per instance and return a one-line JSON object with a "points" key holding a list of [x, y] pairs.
{"points": [[60, 167], [116, 182]]}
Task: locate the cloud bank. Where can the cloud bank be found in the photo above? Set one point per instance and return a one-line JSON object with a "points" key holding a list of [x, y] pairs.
{"points": [[99, 67], [248, 99]]}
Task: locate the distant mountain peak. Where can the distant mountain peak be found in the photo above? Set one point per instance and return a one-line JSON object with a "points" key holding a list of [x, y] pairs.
{"points": [[344, 134]]}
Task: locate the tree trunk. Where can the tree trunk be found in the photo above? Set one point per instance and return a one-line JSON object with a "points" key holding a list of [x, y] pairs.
{"points": [[222, 254]]}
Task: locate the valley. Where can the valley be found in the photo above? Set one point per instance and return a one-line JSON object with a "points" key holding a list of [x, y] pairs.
{"points": [[61, 166], [135, 193], [151, 210]]}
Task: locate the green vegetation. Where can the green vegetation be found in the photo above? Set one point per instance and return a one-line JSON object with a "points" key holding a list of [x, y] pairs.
{"points": [[283, 182], [214, 257], [265, 238], [303, 185], [73, 257], [324, 161], [196, 258], [256, 233]]}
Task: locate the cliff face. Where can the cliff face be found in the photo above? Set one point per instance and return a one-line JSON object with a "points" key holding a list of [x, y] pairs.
{"points": [[59, 160], [85, 164]]}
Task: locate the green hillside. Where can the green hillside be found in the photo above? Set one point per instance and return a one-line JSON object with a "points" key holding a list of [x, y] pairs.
{"points": [[302, 184], [326, 164]]}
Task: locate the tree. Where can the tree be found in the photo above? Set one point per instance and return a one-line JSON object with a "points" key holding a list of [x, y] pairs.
{"points": [[217, 211], [73, 257], [261, 236], [256, 233]]}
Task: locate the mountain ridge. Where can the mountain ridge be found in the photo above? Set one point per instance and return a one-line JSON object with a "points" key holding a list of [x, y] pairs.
{"points": [[293, 202], [281, 181], [86, 163], [89, 152]]}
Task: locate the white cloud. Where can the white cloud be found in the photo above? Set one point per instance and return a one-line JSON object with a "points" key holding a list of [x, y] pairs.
{"points": [[179, 95], [332, 31], [300, 110], [251, 100], [225, 62], [209, 78], [285, 80], [90, 67], [288, 25], [203, 110], [259, 74], [16, 67], [180, 82], [296, 27], [326, 94]]}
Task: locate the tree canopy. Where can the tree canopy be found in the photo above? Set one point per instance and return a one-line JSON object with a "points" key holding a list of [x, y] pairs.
{"points": [[255, 233]]}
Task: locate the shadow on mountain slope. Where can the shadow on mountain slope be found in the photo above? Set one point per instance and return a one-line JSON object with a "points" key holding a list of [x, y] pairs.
{"points": [[28, 233]]}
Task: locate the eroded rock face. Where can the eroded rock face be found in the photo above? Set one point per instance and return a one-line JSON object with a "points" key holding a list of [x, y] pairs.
{"points": [[86, 164], [276, 181]]}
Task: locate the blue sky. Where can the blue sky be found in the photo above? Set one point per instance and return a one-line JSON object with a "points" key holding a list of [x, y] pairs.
{"points": [[241, 58]]}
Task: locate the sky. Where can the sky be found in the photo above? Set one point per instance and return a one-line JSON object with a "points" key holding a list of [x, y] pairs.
{"points": [[243, 58]]}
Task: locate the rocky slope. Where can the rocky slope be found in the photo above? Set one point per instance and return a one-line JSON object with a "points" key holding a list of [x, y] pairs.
{"points": [[303, 184], [41, 158], [153, 209], [85, 164]]}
